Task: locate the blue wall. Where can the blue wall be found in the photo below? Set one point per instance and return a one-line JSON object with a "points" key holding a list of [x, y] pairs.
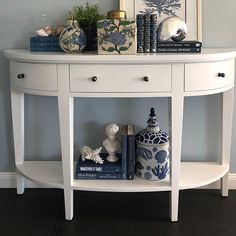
{"points": [[201, 138]]}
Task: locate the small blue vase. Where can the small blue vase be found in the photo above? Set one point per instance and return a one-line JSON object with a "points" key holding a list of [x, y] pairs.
{"points": [[72, 39]]}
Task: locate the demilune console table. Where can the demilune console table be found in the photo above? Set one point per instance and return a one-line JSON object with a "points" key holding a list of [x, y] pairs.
{"points": [[68, 76]]}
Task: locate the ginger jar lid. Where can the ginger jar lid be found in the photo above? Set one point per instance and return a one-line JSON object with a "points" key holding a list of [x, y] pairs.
{"points": [[152, 134], [116, 14]]}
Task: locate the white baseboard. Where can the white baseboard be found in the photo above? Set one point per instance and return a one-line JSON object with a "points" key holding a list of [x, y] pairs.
{"points": [[232, 181], [8, 180]]}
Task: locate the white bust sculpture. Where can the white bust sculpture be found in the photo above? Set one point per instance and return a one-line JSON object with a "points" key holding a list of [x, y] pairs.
{"points": [[111, 143]]}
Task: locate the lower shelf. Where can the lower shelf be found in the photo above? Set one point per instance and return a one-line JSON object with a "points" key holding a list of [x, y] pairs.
{"points": [[193, 175], [48, 173], [197, 174], [136, 185]]}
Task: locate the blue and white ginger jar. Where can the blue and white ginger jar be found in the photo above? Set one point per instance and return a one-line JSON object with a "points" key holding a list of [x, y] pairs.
{"points": [[72, 39], [152, 151]]}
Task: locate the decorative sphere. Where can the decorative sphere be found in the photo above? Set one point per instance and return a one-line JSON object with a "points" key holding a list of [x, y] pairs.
{"points": [[172, 28], [72, 39]]}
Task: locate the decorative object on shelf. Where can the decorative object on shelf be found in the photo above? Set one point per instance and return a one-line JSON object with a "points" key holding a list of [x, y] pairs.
{"points": [[152, 153], [46, 29], [146, 33], [104, 166], [91, 170], [87, 18], [87, 153], [45, 32], [116, 35], [188, 10], [111, 143], [72, 38], [46, 39], [44, 44], [172, 28], [58, 29]]}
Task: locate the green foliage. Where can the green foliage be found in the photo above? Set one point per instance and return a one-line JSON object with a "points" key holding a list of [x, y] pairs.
{"points": [[125, 23], [87, 15], [110, 49], [124, 48], [99, 25]]}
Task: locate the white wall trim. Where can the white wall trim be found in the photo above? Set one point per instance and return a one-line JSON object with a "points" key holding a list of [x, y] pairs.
{"points": [[8, 180], [232, 181]]}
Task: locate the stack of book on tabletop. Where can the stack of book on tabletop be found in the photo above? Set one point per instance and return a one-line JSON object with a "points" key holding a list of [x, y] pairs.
{"points": [[124, 168], [179, 47]]}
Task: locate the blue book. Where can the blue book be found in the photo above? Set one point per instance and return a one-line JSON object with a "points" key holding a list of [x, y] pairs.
{"points": [[181, 44], [45, 44], [124, 143], [130, 152], [99, 175], [177, 50], [107, 167]]}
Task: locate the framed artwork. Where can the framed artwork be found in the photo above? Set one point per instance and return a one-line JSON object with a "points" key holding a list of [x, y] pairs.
{"points": [[188, 10]]}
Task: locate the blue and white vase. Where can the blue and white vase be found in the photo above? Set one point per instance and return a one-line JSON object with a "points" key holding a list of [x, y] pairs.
{"points": [[152, 151], [72, 39]]}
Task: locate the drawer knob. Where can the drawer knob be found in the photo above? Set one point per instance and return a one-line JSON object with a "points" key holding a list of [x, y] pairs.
{"points": [[21, 76], [94, 78], [145, 78], [221, 75]]}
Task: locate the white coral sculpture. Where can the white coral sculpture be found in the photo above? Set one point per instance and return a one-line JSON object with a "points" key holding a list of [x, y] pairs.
{"points": [[87, 153]]}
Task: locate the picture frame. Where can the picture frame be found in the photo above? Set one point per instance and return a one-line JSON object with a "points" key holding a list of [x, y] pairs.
{"points": [[193, 16]]}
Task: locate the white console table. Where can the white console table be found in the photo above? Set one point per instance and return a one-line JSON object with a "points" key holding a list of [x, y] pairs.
{"points": [[88, 75]]}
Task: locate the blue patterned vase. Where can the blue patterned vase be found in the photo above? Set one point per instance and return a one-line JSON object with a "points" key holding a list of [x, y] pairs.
{"points": [[72, 39], [152, 153]]}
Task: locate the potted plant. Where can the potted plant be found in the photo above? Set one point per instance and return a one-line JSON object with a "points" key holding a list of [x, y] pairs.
{"points": [[87, 17]]}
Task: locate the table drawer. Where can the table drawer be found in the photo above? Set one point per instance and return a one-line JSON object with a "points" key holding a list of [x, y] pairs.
{"points": [[120, 78], [42, 77], [207, 76]]}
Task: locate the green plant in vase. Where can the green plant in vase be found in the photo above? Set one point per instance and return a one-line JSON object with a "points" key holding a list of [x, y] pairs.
{"points": [[87, 17]]}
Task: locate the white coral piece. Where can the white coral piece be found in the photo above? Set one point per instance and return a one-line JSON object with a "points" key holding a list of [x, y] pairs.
{"points": [[47, 31], [87, 153], [41, 32]]}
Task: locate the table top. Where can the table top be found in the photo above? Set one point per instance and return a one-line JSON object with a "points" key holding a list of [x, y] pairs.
{"points": [[207, 54]]}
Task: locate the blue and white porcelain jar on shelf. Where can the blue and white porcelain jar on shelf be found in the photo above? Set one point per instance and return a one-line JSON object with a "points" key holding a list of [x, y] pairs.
{"points": [[72, 38], [152, 151]]}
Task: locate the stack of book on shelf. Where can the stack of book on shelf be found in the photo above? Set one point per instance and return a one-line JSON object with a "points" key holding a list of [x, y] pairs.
{"points": [[179, 47], [124, 168], [146, 33]]}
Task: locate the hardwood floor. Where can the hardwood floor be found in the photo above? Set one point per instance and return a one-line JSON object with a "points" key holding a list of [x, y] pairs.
{"points": [[40, 212]]}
